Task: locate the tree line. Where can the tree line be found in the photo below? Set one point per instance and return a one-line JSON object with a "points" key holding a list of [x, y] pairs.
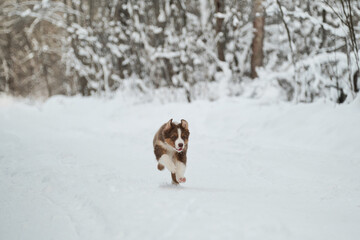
{"points": [[305, 49]]}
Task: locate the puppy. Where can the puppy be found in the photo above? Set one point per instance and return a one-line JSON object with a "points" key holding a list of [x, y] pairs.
{"points": [[170, 147]]}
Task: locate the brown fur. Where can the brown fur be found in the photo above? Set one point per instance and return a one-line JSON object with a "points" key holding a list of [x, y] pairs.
{"points": [[181, 156], [168, 134], [158, 151]]}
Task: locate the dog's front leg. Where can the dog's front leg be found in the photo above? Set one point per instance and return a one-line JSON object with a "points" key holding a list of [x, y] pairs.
{"points": [[168, 163], [180, 171]]}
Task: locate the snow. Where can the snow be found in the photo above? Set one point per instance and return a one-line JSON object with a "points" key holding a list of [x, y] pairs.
{"points": [[162, 17], [204, 13], [83, 168], [25, 13], [220, 15], [167, 55], [155, 29]]}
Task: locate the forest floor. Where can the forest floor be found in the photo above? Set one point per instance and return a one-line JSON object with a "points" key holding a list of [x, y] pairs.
{"points": [[84, 168]]}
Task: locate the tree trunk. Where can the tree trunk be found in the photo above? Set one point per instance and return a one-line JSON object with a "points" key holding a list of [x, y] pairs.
{"points": [[323, 31], [91, 11], [46, 77], [258, 40], [219, 8], [9, 81]]}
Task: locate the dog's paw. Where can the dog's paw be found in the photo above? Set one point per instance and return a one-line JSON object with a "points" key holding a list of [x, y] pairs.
{"points": [[182, 180], [160, 167]]}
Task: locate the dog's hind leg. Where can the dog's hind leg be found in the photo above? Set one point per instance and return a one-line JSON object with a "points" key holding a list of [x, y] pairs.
{"points": [[174, 181]]}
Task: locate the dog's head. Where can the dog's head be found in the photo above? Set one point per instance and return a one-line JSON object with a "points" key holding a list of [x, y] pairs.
{"points": [[177, 134]]}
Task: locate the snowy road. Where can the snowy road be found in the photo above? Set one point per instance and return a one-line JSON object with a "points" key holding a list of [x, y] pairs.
{"points": [[84, 169]]}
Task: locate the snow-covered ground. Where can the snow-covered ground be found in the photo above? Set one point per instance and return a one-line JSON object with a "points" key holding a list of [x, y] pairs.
{"points": [[83, 168]]}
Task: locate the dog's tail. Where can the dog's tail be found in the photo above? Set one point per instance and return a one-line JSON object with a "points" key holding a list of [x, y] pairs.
{"points": [[173, 176], [160, 167]]}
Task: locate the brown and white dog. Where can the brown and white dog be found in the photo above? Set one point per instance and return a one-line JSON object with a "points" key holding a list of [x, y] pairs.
{"points": [[170, 147]]}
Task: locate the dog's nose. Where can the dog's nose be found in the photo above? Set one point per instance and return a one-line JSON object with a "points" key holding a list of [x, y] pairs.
{"points": [[181, 145]]}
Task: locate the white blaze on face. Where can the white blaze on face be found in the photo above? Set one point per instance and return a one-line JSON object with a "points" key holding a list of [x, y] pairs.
{"points": [[179, 141]]}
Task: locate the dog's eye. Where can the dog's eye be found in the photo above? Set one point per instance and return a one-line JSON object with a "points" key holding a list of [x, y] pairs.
{"points": [[173, 137]]}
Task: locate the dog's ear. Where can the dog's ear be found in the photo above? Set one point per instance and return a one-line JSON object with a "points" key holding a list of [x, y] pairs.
{"points": [[168, 125], [184, 124]]}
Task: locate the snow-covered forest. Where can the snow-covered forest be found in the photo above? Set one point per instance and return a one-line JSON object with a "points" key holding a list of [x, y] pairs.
{"points": [[195, 49]]}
